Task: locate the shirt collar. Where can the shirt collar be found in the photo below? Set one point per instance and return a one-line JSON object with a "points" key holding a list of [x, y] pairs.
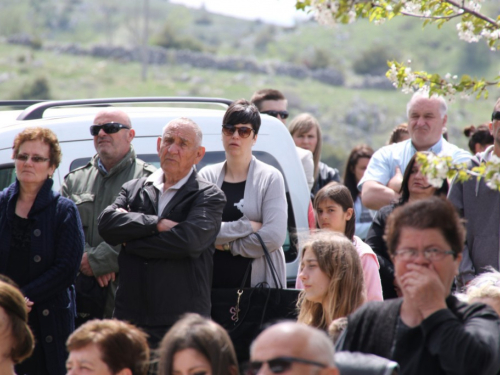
{"points": [[157, 178], [436, 148]]}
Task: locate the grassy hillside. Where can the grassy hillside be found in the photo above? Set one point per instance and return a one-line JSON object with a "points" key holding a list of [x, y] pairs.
{"points": [[348, 116]]}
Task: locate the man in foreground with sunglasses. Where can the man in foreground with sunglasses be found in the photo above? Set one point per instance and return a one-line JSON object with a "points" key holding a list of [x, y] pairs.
{"points": [[479, 205], [273, 103], [93, 187], [292, 348]]}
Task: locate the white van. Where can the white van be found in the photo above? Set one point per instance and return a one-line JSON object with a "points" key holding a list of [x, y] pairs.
{"points": [[70, 121]]}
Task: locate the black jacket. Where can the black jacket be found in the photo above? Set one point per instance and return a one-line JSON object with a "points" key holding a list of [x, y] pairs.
{"points": [[462, 339], [326, 175], [164, 275]]}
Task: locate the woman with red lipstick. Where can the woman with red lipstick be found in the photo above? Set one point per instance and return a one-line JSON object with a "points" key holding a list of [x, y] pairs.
{"points": [[256, 202], [332, 278], [414, 187]]}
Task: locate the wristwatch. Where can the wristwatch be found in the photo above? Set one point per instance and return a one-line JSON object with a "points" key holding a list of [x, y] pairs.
{"points": [[226, 247]]}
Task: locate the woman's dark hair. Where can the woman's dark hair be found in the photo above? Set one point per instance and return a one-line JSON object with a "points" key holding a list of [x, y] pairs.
{"points": [[121, 345], [480, 135], [340, 195], [203, 335], [242, 112], [431, 213], [12, 301], [405, 190], [358, 152]]}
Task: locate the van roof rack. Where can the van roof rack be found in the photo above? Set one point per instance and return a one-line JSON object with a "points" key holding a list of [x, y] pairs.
{"points": [[37, 110], [19, 103]]}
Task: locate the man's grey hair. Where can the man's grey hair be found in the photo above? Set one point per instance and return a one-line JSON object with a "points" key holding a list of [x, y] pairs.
{"points": [[189, 122], [443, 107]]}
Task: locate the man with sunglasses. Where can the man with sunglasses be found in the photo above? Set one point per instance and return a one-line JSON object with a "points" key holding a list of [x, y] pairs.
{"points": [[273, 103], [479, 205], [292, 348], [93, 187]]}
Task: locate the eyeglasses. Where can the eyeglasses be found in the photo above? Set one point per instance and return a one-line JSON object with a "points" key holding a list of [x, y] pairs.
{"points": [[279, 365], [429, 254], [282, 114], [495, 116], [243, 131], [34, 158], [109, 128]]}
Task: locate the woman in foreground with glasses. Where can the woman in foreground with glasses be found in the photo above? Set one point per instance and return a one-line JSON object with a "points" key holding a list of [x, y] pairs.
{"points": [[256, 202], [428, 330], [197, 346], [41, 246]]}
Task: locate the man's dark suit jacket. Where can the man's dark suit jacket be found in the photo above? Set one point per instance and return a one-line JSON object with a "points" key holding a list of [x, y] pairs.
{"points": [[164, 274]]}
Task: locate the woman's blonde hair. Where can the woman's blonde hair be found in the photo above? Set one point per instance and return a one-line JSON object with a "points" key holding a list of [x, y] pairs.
{"points": [[338, 259], [303, 123]]}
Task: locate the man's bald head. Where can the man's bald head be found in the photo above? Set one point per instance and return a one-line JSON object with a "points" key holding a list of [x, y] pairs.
{"points": [[113, 147], [112, 115], [290, 339]]}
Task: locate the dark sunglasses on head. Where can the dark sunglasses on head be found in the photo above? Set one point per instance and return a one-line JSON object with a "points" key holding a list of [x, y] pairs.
{"points": [[282, 114], [243, 131], [34, 158], [279, 365], [109, 128], [495, 116]]}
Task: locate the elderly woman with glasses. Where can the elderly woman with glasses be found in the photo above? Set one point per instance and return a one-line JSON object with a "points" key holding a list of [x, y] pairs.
{"points": [[41, 246], [256, 202], [428, 330]]}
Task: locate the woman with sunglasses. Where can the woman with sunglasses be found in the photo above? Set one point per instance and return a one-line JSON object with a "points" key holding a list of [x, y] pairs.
{"points": [[428, 330], [256, 202], [41, 246], [306, 133]]}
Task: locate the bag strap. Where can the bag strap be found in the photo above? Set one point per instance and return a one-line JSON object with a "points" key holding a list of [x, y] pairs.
{"points": [[270, 262], [245, 277]]}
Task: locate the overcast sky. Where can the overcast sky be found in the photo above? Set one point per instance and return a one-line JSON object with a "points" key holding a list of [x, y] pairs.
{"points": [[281, 12]]}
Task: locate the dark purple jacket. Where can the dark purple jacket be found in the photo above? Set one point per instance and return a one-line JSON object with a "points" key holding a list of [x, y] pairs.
{"points": [[57, 244]]}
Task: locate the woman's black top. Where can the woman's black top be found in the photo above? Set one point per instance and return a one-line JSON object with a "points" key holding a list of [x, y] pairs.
{"points": [[20, 248], [229, 269]]}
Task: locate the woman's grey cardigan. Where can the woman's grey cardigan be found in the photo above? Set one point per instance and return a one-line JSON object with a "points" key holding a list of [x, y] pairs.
{"points": [[264, 202]]}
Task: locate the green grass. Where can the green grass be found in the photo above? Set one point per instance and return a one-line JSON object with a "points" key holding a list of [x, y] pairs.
{"points": [[73, 77]]}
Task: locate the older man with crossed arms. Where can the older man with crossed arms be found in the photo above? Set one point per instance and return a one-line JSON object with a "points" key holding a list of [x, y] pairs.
{"points": [[167, 224]]}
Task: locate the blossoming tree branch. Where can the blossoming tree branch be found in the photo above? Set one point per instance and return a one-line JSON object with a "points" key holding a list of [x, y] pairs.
{"points": [[437, 168], [473, 27]]}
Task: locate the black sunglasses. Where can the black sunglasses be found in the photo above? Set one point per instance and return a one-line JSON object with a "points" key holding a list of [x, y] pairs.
{"points": [[243, 131], [109, 128], [279, 365], [282, 114], [495, 116]]}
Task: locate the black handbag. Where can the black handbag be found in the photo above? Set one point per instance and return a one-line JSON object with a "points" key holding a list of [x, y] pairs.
{"points": [[90, 299], [245, 312]]}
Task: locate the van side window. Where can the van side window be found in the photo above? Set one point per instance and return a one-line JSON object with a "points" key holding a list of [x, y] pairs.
{"points": [[7, 175]]}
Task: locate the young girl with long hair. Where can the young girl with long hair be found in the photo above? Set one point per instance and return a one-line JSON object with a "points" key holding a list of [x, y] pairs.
{"points": [[332, 276], [334, 211]]}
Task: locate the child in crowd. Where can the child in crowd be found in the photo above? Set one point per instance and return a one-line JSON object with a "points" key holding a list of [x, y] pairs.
{"points": [[332, 276], [334, 211]]}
